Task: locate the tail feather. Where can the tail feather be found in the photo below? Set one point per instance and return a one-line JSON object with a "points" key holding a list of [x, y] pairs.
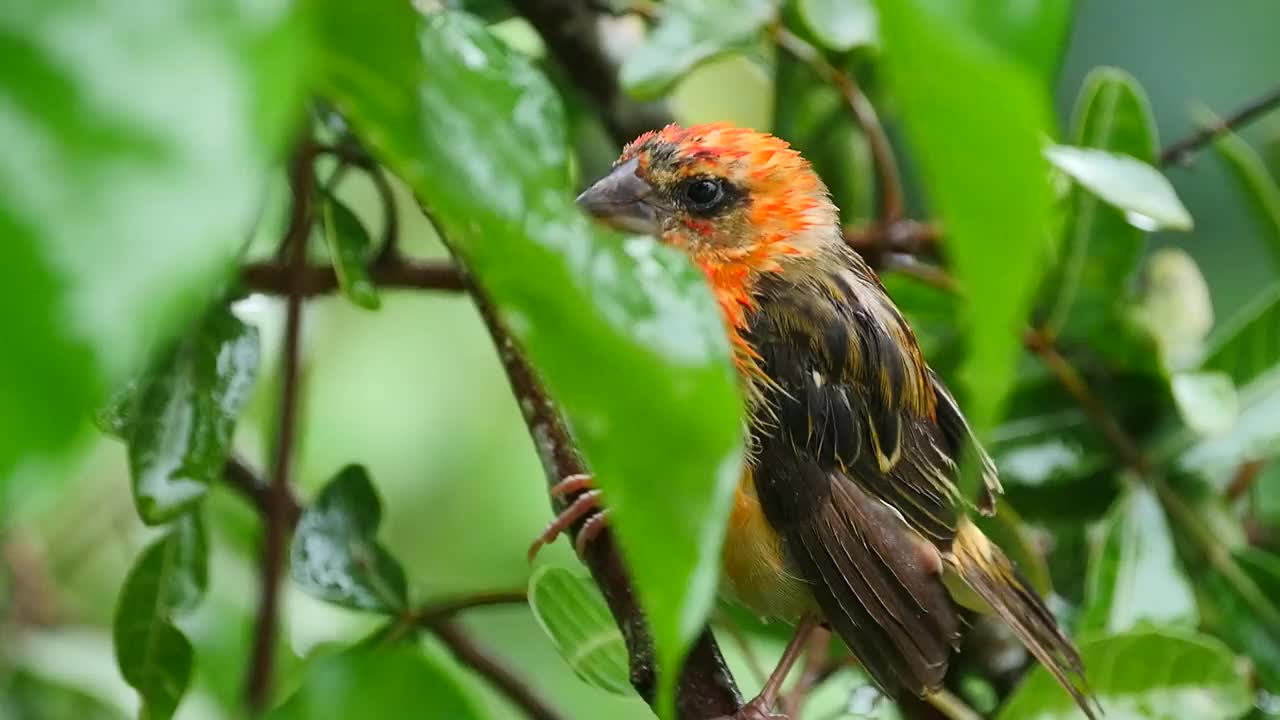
{"points": [[986, 571]]}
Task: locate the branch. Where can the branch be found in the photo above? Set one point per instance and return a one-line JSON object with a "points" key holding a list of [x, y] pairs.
{"points": [[570, 30], [272, 278], [706, 689], [890, 181], [241, 478], [278, 499], [1181, 152], [444, 609], [466, 651]]}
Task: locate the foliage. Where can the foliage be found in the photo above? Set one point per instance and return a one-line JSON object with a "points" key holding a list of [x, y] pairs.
{"points": [[1137, 435]]}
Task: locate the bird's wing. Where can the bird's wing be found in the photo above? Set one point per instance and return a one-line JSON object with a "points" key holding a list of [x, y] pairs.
{"points": [[855, 474]]}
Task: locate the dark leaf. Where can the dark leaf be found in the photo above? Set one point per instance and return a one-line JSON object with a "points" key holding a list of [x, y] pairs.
{"points": [[183, 413], [349, 250], [1234, 620], [690, 32], [1257, 184], [169, 579], [395, 681], [1135, 575], [335, 555], [570, 610], [481, 138], [122, 210], [1143, 675]]}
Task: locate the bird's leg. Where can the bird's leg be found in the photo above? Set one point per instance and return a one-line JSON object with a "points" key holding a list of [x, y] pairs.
{"points": [[585, 505], [761, 706]]}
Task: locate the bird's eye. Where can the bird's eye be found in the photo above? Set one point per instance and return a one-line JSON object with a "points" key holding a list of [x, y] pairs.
{"points": [[704, 193]]}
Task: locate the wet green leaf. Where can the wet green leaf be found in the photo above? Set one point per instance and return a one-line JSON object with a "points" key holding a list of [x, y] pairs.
{"points": [[350, 249], [573, 614], [690, 32], [976, 119], [841, 24], [335, 555], [1134, 575], [481, 138], [1256, 184], [169, 579], [1033, 34], [1100, 250], [395, 681], [122, 210], [1233, 619], [1139, 190], [1207, 401], [1143, 675], [182, 413]]}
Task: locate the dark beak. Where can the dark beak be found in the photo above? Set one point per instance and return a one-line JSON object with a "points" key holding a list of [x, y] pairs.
{"points": [[623, 200]]}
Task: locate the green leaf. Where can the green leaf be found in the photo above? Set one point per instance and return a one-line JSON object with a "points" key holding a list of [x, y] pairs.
{"points": [[975, 120], [122, 210], [841, 24], [1134, 575], [335, 556], [573, 614], [1100, 250], [690, 32], [1207, 401], [1234, 620], [1247, 346], [394, 681], [661, 398], [27, 695], [169, 579], [181, 415], [350, 248], [1143, 675], [1031, 34], [1256, 183], [1141, 191]]}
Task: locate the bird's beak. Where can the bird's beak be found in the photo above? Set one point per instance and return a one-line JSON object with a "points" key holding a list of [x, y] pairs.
{"points": [[623, 200]]}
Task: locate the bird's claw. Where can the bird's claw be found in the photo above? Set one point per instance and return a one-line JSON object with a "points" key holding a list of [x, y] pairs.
{"points": [[585, 507]]}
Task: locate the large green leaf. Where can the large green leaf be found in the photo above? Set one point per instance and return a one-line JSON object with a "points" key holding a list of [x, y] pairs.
{"points": [[169, 579], [179, 416], [976, 120], [335, 555], [1134, 576], [1233, 619], [396, 681], [1143, 675], [1100, 250], [1033, 34], [139, 142], [1134, 187], [573, 614], [690, 32], [623, 331], [1258, 186]]}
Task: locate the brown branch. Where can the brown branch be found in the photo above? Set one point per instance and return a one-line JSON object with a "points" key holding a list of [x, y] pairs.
{"points": [[444, 609], [569, 28], [890, 181], [466, 651], [279, 499], [705, 688], [272, 278], [1243, 480], [1181, 152], [1124, 446], [240, 477]]}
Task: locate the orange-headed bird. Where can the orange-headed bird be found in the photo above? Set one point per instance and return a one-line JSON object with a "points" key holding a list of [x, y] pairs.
{"points": [[848, 512]]}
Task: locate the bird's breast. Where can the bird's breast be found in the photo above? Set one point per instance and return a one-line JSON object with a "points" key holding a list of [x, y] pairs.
{"points": [[755, 569]]}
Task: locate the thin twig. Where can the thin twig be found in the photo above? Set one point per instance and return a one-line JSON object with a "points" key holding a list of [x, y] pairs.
{"points": [[443, 609], [947, 703], [237, 474], [1181, 151], [890, 181], [1243, 480], [275, 279], [468, 652], [278, 518]]}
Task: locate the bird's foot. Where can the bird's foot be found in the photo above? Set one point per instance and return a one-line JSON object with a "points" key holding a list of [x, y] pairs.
{"points": [[584, 507], [760, 708]]}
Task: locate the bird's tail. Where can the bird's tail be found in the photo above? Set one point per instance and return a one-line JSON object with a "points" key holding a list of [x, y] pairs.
{"points": [[985, 570]]}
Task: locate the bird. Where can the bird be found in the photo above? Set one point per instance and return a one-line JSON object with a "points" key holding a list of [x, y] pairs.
{"points": [[848, 512]]}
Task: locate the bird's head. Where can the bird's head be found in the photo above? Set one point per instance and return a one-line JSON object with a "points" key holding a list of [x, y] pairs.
{"points": [[732, 198]]}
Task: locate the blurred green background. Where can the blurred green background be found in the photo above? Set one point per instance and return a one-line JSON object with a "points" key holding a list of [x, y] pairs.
{"points": [[415, 393]]}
